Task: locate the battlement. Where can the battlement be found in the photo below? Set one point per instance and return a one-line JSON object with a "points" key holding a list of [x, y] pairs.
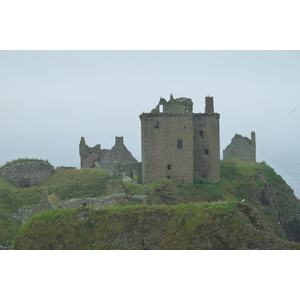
{"points": [[179, 105]]}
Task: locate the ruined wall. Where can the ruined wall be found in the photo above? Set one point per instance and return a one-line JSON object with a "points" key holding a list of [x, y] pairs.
{"points": [[129, 169], [118, 154], [241, 148], [53, 202], [27, 174], [28, 211], [90, 155], [103, 201]]}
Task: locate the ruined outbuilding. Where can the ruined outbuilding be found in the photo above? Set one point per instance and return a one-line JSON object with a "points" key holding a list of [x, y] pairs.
{"points": [[179, 144], [28, 173], [118, 161], [241, 148]]}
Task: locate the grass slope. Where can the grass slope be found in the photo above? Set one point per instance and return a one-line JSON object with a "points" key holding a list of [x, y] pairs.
{"points": [[250, 208], [182, 227], [66, 184]]}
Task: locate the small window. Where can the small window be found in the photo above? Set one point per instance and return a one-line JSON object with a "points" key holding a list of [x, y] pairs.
{"points": [[206, 151], [179, 144], [156, 125], [201, 133], [91, 152], [204, 176], [169, 167], [168, 177]]}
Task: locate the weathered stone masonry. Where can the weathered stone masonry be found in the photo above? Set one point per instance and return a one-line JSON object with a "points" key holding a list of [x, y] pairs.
{"points": [[241, 148], [27, 174], [117, 161], [179, 144], [54, 202]]}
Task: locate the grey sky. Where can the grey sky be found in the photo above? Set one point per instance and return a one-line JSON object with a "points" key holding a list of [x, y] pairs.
{"points": [[50, 99]]}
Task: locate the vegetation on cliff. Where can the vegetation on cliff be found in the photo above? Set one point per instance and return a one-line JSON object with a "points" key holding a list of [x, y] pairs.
{"points": [[66, 183], [250, 208], [184, 226]]}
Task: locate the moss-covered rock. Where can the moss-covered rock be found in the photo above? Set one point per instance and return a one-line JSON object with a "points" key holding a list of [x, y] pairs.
{"points": [[221, 226]]}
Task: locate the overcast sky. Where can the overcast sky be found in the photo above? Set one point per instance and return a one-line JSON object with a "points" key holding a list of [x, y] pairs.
{"points": [[50, 99]]}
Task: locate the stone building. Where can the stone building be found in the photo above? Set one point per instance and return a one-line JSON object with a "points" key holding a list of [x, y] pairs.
{"points": [[90, 155], [179, 144], [241, 148], [117, 161]]}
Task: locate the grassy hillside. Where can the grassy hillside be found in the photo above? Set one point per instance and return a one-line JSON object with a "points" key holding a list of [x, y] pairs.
{"points": [[250, 208], [66, 183], [184, 226]]}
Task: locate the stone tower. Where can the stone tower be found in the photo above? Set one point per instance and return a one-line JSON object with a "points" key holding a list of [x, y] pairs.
{"points": [[178, 144]]}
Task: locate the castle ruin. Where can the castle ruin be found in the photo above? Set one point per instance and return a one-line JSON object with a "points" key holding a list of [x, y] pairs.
{"points": [[241, 148], [179, 144], [117, 161]]}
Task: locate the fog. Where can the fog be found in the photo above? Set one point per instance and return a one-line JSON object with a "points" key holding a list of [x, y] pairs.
{"points": [[50, 99]]}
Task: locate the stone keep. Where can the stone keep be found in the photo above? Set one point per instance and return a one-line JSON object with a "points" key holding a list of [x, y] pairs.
{"points": [[179, 144]]}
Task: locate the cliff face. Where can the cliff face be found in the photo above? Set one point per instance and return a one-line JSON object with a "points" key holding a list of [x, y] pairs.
{"points": [[218, 226], [250, 208]]}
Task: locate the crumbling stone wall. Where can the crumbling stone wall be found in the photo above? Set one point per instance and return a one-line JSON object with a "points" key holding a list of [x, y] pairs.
{"points": [[53, 202], [28, 211], [95, 157], [118, 154], [90, 155], [241, 148], [27, 174], [129, 169], [103, 201]]}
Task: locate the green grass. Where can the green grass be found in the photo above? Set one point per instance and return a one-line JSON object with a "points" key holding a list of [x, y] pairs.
{"points": [[21, 160], [66, 184], [183, 226], [239, 180]]}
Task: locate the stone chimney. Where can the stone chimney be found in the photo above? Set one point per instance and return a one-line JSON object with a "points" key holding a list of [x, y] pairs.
{"points": [[119, 141], [209, 105]]}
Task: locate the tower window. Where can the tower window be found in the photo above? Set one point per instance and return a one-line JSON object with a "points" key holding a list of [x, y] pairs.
{"points": [[201, 133], [169, 167], [206, 151], [156, 125], [179, 144]]}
